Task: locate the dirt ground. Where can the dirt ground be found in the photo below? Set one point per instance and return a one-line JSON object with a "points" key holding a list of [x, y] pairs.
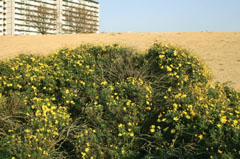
{"points": [[220, 50]]}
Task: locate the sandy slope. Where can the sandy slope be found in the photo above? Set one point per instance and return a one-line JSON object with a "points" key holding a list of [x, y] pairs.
{"points": [[220, 50]]}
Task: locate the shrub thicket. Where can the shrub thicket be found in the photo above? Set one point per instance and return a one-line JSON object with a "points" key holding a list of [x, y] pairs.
{"points": [[110, 102]]}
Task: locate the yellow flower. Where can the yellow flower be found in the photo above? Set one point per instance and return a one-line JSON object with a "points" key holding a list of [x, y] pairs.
{"points": [[104, 83], [190, 107], [223, 119], [129, 124], [54, 107], [86, 149], [45, 152], [55, 133], [152, 130], [82, 82], [19, 86], [34, 88], [67, 91], [200, 137], [9, 85], [219, 151], [175, 105], [188, 117], [10, 130], [148, 108], [173, 131], [27, 130], [175, 119], [120, 125], [184, 96], [128, 103], [175, 53], [235, 122], [83, 154], [169, 69], [161, 56], [38, 113], [132, 134]]}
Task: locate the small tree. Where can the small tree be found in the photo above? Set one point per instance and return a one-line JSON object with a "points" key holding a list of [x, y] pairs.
{"points": [[43, 19], [78, 18]]}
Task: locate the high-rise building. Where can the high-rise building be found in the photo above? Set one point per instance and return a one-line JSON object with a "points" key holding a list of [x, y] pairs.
{"points": [[1, 17], [30, 17]]}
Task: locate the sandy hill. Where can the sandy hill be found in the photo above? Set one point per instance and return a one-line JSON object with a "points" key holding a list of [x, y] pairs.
{"points": [[220, 50]]}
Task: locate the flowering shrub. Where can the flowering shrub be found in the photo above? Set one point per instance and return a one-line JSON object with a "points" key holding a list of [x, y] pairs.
{"points": [[195, 118], [110, 102]]}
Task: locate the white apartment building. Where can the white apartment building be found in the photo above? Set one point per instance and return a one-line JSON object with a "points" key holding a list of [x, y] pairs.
{"points": [[1, 17], [18, 17]]}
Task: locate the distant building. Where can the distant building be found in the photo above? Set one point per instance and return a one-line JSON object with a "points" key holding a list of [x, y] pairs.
{"points": [[70, 16]]}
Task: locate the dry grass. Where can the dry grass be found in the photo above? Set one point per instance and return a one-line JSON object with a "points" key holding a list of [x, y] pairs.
{"points": [[220, 50]]}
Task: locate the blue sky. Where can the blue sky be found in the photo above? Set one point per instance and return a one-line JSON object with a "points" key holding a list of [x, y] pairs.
{"points": [[169, 15]]}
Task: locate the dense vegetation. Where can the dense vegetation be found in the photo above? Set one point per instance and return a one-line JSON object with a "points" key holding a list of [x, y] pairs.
{"points": [[111, 102]]}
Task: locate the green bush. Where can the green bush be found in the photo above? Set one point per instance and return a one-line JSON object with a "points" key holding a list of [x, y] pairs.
{"points": [[111, 102]]}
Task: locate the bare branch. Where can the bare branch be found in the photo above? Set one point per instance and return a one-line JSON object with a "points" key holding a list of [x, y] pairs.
{"points": [[42, 18], [79, 20]]}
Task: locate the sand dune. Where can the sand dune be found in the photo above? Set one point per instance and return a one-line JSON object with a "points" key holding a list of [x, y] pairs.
{"points": [[220, 50]]}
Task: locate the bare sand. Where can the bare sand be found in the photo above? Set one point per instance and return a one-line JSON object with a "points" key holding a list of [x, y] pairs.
{"points": [[219, 50]]}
